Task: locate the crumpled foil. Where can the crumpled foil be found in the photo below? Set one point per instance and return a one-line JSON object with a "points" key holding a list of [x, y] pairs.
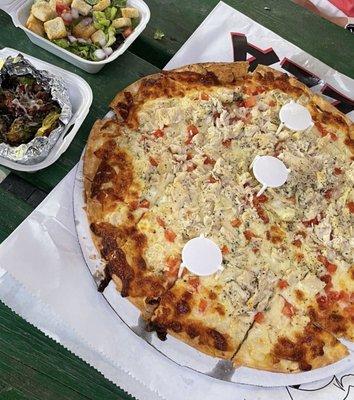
{"points": [[39, 147]]}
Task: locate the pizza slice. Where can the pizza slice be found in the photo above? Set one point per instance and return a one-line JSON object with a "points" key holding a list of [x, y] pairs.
{"points": [[328, 298], [146, 264], [284, 340], [213, 313]]}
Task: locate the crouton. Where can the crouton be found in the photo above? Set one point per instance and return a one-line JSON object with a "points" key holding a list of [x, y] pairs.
{"points": [[99, 37], [130, 12], [83, 31], [81, 6], [121, 22], [55, 28], [102, 5], [43, 11], [35, 25]]}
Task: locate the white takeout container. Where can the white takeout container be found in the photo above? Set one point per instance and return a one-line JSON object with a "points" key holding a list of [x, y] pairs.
{"points": [[19, 11], [80, 95]]}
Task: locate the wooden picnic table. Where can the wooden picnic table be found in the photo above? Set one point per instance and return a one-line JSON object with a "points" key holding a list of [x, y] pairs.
{"points": [[32, 366]]}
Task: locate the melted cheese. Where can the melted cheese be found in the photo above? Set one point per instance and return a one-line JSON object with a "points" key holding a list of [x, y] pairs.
{"points": [[203, 183]]}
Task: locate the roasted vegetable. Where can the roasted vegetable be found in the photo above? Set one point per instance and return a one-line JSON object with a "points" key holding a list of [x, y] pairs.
{"points": [[26, 110], [48, 124], [22, 130]]}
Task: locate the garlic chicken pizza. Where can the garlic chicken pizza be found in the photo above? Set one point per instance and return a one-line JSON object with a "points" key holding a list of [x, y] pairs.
{"points": [[174, 164]]}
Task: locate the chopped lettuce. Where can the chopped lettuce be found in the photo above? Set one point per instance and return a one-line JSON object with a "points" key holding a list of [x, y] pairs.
{"points": [[158, 35], [100, 21], [92, 2], [111, 36], [64, 43], [119, 3], [135, 22], [26, 80], [48, 123], [111, 13], [84, 50]]}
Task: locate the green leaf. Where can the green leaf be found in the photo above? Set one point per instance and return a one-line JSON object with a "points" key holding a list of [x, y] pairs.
{"points": [[119, 3], [111, 12], [111, 36], [26, 80], [48, 123], [92, 2], [135, 22], [158, 35], [65, 44], [100, 19]]}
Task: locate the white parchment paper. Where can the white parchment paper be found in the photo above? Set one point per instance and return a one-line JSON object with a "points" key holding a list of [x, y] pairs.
{"points": [[49, 284]]}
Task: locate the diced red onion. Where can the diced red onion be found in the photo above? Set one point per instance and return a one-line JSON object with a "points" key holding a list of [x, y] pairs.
{"points": [[81, 40], [74, 13], [72, 39], [108, 51], [86, 21], [100, 54], [67, 17]]}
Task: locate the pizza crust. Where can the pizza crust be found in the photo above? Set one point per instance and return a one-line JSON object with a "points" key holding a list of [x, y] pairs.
{"points": [[333, 351], [287, 345]]}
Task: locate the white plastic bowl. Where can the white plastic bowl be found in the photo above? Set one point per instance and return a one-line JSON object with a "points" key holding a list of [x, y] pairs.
{"points": [[19, 11], [80, 95]]}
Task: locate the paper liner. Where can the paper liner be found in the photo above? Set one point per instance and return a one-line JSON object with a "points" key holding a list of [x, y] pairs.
{"points": [[174, 349], [38, 314]]}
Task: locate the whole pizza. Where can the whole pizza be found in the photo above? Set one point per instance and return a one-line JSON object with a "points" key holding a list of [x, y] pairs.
{"points": [[174, 164]]}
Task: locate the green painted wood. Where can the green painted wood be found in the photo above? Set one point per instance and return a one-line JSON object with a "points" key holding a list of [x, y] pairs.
{"points": [[178, 19], [9, 393], [114, 77], [13, 394], [43, 369], [12, 212], [32, 384]]}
